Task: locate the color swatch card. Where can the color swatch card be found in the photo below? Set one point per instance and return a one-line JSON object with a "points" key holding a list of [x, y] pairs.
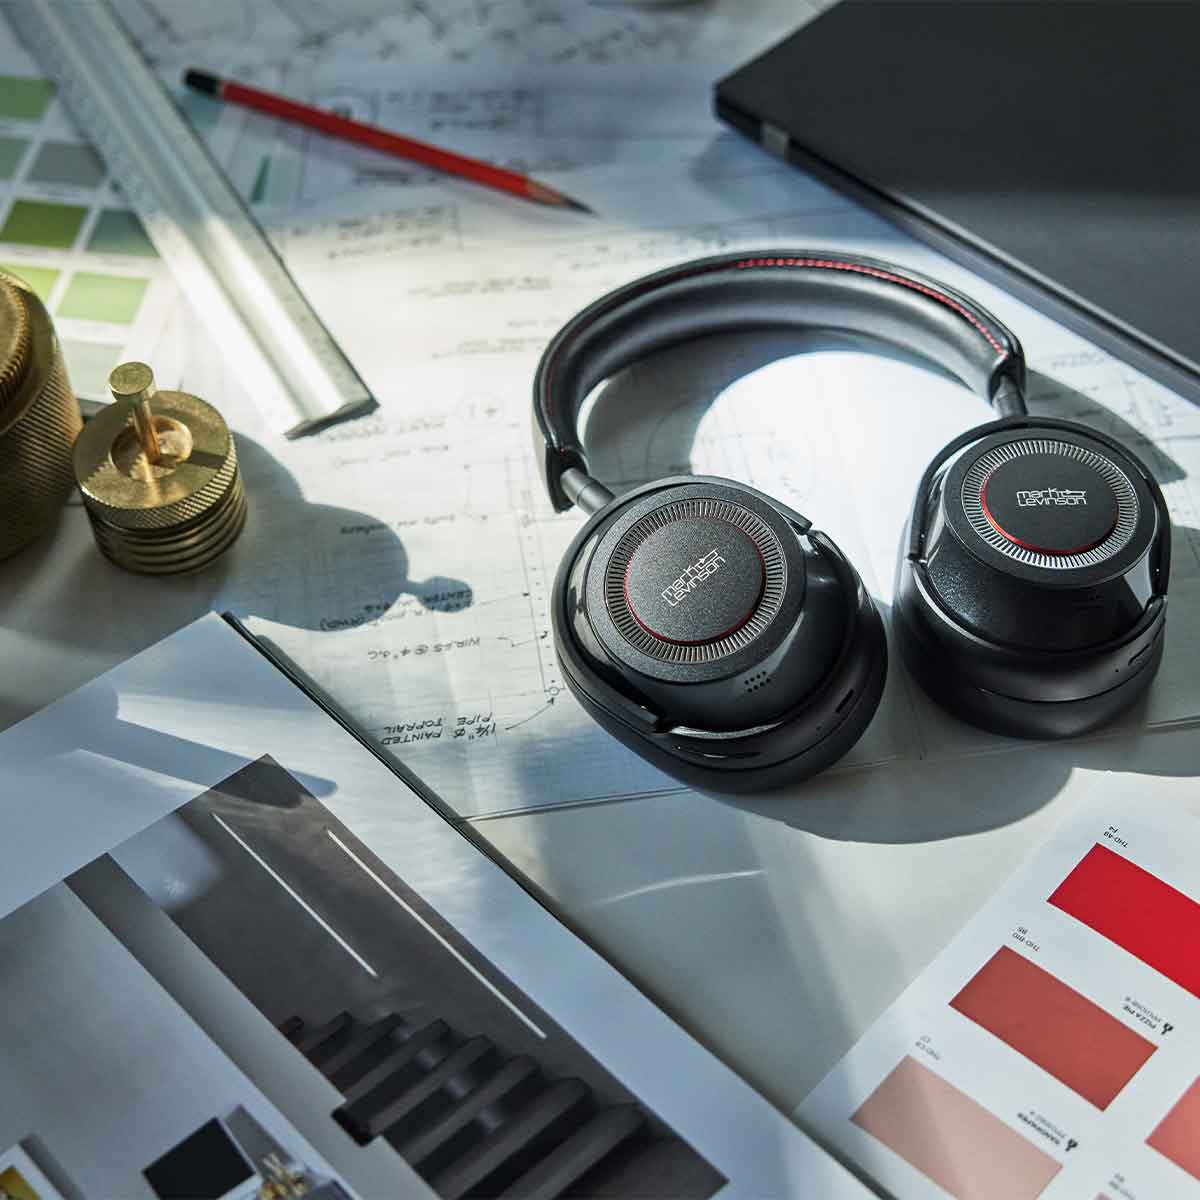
{"points": [[1053, 1049], [67, 230]]}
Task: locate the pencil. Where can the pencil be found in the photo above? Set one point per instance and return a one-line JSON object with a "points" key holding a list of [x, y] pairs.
{"points": [[337, 126]]}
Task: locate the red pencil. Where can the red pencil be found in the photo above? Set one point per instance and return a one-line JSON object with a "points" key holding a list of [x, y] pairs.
{"points": [[473, 169]]}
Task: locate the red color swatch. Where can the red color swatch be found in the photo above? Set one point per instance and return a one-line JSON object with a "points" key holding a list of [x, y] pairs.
{"points": [[1139, 912], [1178, 1135], [1053, 1026]]}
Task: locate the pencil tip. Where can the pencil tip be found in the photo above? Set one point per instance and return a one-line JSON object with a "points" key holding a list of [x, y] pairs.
{"points": [[547, 195], [577, 205]]}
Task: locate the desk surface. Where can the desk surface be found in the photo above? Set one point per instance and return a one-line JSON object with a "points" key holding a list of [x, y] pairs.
{"points": [[776, 931]]}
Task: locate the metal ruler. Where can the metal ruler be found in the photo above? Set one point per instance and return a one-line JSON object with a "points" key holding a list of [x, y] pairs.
{"points": [[293, 369]]}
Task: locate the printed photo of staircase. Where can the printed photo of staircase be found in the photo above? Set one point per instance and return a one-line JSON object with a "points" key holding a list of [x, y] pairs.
{"points": [[433, 1049]]}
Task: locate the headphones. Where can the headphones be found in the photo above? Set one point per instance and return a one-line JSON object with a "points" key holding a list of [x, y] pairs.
{"points": [[719, 635]]}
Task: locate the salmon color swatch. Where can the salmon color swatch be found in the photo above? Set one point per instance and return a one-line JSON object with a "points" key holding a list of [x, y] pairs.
{"points": [[1178, 1136], [1139, 912], [1052, 1025], [951, 1139]]}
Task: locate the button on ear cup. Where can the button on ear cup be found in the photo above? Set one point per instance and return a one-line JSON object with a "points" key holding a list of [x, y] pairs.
{"points": [[1031, 602], [717, 635]]}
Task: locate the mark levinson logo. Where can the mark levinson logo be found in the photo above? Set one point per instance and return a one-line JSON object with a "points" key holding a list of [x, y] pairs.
{"points": [[1041, 497], [700, 570]]}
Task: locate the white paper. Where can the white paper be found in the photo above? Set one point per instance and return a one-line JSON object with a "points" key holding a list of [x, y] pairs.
{"points": [[135, 745], [592, 32], [102, 1072], [1101, 1150], [475, 291], [405, 559], [431, 590], [543, 119]]}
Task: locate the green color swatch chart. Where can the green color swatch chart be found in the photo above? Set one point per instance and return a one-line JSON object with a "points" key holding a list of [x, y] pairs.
{"points": [[65, 227]]}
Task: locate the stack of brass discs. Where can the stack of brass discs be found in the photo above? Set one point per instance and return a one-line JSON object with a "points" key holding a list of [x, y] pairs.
{"points": [[159, 476], [39, 418]]}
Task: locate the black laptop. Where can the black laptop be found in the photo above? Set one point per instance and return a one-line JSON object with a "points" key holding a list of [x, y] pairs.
{"points": [[1053, 146]]}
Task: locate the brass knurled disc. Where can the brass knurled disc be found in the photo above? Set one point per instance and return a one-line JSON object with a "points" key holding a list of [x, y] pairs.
{"points": [[172, 516], [144, 499], [187, 548], [39, 418]]}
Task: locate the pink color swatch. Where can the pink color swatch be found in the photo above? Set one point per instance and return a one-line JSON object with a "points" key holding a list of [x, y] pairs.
{"points": [[951, 1139]]}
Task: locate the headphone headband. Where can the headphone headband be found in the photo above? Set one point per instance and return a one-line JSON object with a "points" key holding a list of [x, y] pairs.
{"points": [[795, 288]]}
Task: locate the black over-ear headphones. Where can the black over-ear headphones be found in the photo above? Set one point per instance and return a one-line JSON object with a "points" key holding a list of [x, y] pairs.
{"points": [[717, 633]]}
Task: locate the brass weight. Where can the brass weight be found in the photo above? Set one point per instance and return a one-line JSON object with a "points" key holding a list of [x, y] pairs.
{"points": [[159, 477], [39, 418]]}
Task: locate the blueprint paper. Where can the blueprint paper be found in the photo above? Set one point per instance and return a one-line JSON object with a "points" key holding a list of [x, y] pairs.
{"points": [[479, 319], [543, 119], [477, 314], [402, 32], [405, 560], [478, 697]]}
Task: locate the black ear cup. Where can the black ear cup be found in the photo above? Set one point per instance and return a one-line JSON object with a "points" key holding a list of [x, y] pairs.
{"points": [[716, 634], [1031, 587]]}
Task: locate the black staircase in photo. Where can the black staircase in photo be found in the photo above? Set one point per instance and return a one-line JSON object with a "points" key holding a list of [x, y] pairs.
{"points": [[436, 1051], [473, 1120]]}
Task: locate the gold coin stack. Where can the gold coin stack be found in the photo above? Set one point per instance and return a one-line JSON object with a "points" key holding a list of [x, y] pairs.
{"points": [[39, 418], [159, 477]]}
